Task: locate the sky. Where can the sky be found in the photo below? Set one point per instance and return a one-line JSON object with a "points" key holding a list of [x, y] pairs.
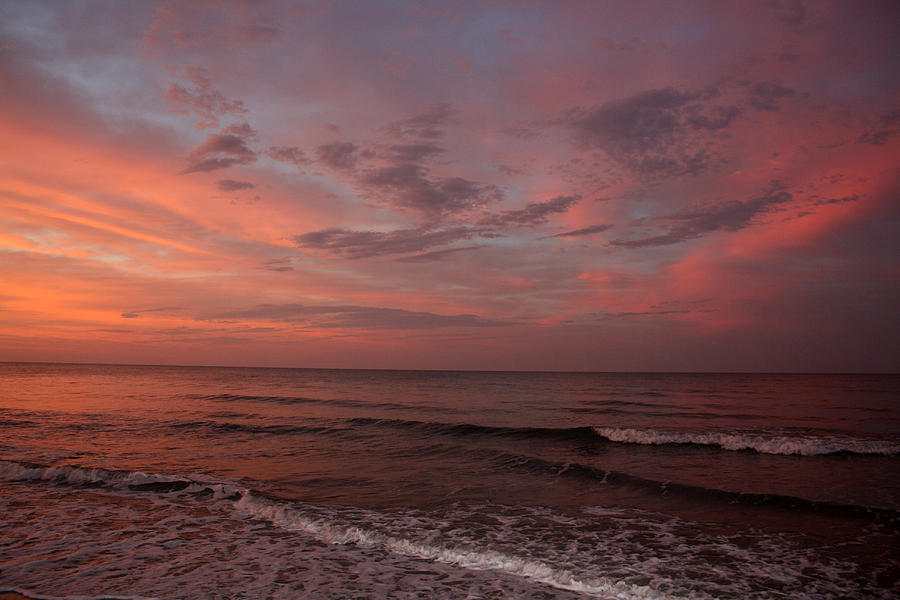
{"points": [[587, 186]]}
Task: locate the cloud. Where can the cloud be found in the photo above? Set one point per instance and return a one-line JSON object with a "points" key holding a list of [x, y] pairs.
{"points": [[202, 99], [222, 150], [134, 314], [366, 244], [655, 132], [231, 185], [288, 154], [585, 231], [241, 129], [281, 265], [356, 317], [728, 216], [887, 127], [414, 152], [767, 95], [535, 213], [436, 255], [179, 25], [406, 185], [339, 155], [820, 201], [427, 125]]}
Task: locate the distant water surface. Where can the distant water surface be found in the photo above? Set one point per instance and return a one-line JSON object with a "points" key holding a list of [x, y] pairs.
{"points": [[228, 482]]}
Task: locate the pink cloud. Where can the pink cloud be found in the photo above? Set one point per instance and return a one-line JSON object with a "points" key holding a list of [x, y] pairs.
{"points": [[605, 186]]}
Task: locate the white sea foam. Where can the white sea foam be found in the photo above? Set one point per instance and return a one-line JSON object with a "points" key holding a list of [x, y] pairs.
{"points": [[611, 553], [762, 443], [121, 480], [288, 517], [294, 519]]}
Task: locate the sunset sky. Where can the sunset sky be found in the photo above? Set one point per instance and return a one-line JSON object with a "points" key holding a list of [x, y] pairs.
{"points": [[480, 185]]}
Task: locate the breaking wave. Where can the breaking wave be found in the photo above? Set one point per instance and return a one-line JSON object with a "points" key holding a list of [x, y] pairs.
{"points": [[118, 480], [811, 445], [327, 526], [328, 529]]}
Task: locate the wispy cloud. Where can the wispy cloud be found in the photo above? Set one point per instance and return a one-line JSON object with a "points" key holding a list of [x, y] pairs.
{"points": [[728, 216], [338, 155], [535, 213], [435, 255], [583, 231], [366, 244], [222, 150], [356, 317], [232, 185], [203, 99], [655, 132]]}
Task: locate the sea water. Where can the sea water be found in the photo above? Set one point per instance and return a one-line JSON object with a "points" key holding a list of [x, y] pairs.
{"points": [[188, 482]]}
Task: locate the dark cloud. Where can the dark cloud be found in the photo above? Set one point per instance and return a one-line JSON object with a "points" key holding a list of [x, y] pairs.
{"points": [[231, 185], [202, 99], [645, 313], [720, 117], [179, 331], [281, 265], [428, 125], [767, 95], [222, 150], [241, 129], [656, 132], [407, 185], [586, 231], [887, 127], [134, 314], [366, 244], [339, 155], [728, 216], [288, 154], [356, 317], [436, 255], [414, 152], [820, 201], [535, 213]]}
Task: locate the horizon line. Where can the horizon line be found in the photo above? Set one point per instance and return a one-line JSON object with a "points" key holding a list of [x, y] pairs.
{"points": [[636, 372]]}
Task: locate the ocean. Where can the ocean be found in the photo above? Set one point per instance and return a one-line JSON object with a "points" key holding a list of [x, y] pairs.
{"points": [[207, 482]]}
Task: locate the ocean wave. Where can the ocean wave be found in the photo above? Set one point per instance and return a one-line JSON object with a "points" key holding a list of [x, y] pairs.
{"points": [[220, 427], [408, 535], [329, 530], [696, 493], [468, 429], [327, 526], [120, 480], [809, 445], [139, 481], [801, 445], [293, 400]]}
